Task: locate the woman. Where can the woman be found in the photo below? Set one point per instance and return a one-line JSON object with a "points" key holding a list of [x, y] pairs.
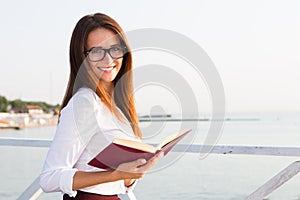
{"points": [[98, 106]]}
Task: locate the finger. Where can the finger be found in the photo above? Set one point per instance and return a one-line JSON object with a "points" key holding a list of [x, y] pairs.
{"points": [[160, 155], [151, 162], [131, 166], [137, 162], [157, 157], [140, 162]]}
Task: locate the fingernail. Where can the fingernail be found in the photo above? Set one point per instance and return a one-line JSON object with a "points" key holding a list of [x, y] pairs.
{"points": [[142, 161]]}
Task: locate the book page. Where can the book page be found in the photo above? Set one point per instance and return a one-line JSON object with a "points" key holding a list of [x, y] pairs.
{"points": [[135, 145], [170, 138]]}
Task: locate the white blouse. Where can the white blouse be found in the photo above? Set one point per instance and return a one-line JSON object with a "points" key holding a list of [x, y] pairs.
{"points": [[86, 126]]}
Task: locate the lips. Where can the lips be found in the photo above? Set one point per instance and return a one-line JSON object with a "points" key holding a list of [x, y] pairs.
{"points": [[107, 69]]}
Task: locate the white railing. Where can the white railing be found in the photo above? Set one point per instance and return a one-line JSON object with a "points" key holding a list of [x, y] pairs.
{"points": [[33, 191], [275, 182]]}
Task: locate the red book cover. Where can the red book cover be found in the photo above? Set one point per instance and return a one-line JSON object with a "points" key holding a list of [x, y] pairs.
{"points": [[121, 150]]}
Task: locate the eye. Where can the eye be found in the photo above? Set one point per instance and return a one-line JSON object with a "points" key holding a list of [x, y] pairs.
{"points": [[116, 48], [96, 50]]}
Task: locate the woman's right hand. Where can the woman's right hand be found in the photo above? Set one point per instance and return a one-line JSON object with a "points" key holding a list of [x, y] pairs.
{"points": [[131, 170], [136, 169]]}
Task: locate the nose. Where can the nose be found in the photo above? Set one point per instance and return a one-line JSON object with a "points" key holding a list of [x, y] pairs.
{"points": [[107, 59]]}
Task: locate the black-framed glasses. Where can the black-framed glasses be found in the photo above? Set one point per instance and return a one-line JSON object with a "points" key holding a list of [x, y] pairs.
{"points": [[96, 54]]}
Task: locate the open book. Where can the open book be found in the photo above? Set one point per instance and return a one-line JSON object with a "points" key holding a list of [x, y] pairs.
{"points": [[122, 150]]}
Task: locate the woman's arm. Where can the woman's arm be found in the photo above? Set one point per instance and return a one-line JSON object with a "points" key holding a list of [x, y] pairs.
{"points": [[131, 170], [83, 179]]}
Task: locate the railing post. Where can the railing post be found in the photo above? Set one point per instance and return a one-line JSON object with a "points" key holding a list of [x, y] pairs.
{"points": [[275, 182], [32, 192]]}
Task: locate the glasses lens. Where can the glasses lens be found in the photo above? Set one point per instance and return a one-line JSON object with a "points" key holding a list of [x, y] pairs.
{"points": [[116, 52], [96, 54]]}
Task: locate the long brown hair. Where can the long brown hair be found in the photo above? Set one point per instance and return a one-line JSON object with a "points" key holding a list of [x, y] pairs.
{"points": [[79, 75]]}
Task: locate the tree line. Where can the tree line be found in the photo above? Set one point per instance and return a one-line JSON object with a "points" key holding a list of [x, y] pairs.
{"points": [[6, 105]]}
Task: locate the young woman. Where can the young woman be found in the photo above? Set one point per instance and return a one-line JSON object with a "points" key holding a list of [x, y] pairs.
{"points": [[98, 106]]}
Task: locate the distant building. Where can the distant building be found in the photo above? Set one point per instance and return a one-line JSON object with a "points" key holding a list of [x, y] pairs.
{"points": [[18, 110], [34, 110]]}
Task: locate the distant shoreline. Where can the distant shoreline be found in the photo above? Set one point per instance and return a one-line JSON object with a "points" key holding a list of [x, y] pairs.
{"points": [[20, 121]]}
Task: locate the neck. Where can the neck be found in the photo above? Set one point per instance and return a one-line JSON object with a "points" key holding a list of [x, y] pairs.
{"points": [[109, 87]]}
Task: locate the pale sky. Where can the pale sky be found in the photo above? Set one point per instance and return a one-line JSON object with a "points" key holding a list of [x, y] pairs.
{"points": [[254, 45]]}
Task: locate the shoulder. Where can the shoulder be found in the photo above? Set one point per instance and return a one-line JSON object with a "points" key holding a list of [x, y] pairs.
{"points": [[85, 94], [85, 99]]}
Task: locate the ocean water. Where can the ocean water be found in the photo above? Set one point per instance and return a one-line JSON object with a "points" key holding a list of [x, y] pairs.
{"points": [[181, 175]]}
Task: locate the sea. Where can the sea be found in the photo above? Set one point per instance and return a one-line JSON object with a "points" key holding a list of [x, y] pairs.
{"points": [[189, 176]]}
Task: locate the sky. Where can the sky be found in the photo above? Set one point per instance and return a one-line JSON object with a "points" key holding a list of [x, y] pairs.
{"points": [[254, 46]]}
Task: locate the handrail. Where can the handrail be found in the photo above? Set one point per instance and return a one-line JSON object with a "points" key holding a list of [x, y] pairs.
{"points": [[33, 191], [195, 148], [243, 150], [24, 142]]}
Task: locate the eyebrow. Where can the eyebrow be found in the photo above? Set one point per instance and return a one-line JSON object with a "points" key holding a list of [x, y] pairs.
{"points": [[104, 48]]}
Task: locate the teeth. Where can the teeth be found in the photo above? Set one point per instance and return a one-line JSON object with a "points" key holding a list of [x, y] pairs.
{"points": [[106, 68]]}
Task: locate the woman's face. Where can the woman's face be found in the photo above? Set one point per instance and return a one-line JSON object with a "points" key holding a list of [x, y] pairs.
{"points": [[107, 69]]}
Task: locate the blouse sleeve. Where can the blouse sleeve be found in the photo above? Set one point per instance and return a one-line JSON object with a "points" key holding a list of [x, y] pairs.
{"points": [[68, 144]]}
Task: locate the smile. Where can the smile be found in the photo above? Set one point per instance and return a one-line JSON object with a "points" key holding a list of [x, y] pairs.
{"points": [[106, 69]]}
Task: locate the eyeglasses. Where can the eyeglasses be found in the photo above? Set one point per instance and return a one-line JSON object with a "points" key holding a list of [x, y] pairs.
{"points": [[96, 54]]}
